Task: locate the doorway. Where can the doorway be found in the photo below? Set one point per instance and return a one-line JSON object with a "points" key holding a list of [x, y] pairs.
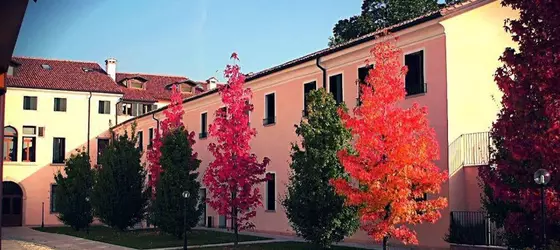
{"points": [[12, 204]]}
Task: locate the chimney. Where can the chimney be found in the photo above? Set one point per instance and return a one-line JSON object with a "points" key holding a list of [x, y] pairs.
{"points": [[111, 68], [212, 83]]}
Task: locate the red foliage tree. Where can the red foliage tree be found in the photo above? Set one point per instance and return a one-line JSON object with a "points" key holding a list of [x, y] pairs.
{"points": [[393, 167], [232, 176], [173, 120], [526, 135]]}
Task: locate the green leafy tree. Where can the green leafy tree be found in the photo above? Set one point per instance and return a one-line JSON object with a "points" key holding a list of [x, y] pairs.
{"points": [[314, 209], [379, 14], [73, 192], [120, 196], [178, 174]]}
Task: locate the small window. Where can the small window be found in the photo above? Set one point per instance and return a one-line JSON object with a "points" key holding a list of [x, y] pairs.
{"points": [[104, 107], [185, 88], [28, 149], [10, 144], [46, 66], [307, 88], [29, 130], [11, 70], [147, 108], [415, 76], [271, 192], [203, 125], [150, 137], [60, 104], [222, 112], [101, 145], [59, 150], [135, 84], [30, 103], [335, 87], [86, 69], [141, 140], [127, 109], [270, 109], [363, 72], [53, 198]]}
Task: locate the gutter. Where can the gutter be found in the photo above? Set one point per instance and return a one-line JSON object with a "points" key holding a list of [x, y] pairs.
{"points": [[318, 63], [88, 122]]}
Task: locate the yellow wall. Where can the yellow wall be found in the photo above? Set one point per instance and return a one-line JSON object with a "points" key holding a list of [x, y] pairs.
{"points": [[71, 124], [474, 42]]}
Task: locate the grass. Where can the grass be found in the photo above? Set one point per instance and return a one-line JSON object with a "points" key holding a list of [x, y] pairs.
{"points": [[278, 246], [149, 238]]}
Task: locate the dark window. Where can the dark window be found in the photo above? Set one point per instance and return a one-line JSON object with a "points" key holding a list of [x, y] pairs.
{"points": [[150, 137], [141, 140], [363, 72], [307, 88], [28, 149], [30, 103], [59, 150], [60, 104], [6, 205], [147, 108], [127, 109], [10, 144], [101, 145], [335, 87], [223, 111], [53, 198], [46, 66], [203, 125], [104, 107], [270, 109], [271, 191], [415, 75]]}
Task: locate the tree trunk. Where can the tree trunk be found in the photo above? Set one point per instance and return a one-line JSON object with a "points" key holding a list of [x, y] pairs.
{"points": [[385, 239]]}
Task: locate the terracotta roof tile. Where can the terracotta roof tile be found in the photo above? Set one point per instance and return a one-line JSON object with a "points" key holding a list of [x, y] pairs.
{"points": [[62, 75], [155, 87]]}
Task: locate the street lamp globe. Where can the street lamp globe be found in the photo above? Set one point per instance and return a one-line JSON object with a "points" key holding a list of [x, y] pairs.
{"points": [[541, 177], [186, 194]]}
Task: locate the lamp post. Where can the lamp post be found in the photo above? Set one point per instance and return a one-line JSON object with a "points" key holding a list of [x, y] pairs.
{"points": [[186, 195], [542, 177]]}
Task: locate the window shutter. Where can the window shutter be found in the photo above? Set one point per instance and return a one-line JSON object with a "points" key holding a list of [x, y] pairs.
{"points": [[120, 108], [154, 107], [63, 104], [100, 107], [107, 107], [34, 103]]}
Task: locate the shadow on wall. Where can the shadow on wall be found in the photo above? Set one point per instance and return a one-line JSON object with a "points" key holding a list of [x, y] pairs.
{"points": [[465, 190]]}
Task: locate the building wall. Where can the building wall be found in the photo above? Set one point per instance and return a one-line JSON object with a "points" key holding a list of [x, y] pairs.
{"points": [[36, 177], [474, 42], [273, 141]]}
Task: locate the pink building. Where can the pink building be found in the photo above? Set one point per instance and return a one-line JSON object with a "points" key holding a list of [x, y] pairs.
{"points": [[451, 54]]}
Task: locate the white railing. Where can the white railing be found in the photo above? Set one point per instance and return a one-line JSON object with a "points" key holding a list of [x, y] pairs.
{"points": [[469, 150]]}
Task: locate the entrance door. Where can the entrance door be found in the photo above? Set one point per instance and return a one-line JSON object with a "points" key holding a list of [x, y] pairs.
{"points": [[222, 222], [11, 204], [202, 202]]}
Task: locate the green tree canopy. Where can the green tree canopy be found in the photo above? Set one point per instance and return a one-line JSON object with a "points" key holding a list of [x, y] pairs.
{"points": [[315, 211]]}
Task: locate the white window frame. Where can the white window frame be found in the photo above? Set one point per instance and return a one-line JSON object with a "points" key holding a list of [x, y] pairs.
{"points": [[266, 107], [412, 51], [340, 72]]}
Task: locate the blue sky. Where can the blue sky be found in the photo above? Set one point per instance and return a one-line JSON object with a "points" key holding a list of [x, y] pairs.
{"points": [[193, 38]]}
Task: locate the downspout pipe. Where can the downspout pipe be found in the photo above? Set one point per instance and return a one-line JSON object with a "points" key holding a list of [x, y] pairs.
{"points": [[88, 122], [155, 119], [318, 63]]}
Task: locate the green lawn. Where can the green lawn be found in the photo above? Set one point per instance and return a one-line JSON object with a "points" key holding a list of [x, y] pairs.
{"points": [[278, 246], [149, 238]]}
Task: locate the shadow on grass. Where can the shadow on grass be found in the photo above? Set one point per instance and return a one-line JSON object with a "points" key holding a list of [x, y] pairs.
{"points": [[149, 238], [279, 246]]}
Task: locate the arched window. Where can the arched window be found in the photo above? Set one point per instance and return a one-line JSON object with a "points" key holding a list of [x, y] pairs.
{"points": [[10, 144]]}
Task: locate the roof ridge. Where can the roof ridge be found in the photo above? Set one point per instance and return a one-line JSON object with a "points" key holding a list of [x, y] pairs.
{"points": [[54, 59], [151, 74]]}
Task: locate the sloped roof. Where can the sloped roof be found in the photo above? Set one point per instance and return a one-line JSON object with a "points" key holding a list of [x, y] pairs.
{"points": [[155, 86], [62, 75]]}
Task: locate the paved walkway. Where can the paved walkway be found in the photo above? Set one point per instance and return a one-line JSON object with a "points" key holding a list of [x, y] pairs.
{"points": [[26, 238]]}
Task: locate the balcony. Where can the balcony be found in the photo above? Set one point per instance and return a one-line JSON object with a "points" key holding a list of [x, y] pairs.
{"points": [[469, 150]]}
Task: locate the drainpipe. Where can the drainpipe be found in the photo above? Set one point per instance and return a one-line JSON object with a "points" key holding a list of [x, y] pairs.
{"points": [[318, 63], [155, 119], [88, 122]]}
